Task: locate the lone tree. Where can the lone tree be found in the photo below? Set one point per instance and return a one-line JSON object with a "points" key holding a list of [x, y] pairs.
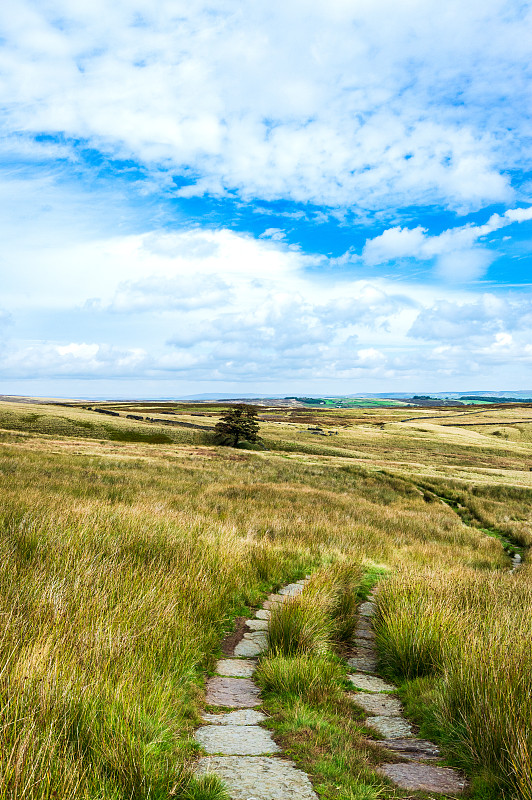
{"points": [[237, 423]]}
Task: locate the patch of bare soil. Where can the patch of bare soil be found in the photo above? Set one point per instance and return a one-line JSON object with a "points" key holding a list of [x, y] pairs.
{"points": [[230, 641]]}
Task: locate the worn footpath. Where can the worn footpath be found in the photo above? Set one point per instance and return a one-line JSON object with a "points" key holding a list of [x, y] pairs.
{"points": [[249, 762], [242, 753], [386, 718]]}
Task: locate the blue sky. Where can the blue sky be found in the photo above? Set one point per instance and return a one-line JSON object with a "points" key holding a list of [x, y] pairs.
{"points": [[278, 197]]}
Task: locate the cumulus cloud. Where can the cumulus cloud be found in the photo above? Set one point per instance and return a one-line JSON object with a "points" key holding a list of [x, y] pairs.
{"points": [[459, 256], [385, 105]]}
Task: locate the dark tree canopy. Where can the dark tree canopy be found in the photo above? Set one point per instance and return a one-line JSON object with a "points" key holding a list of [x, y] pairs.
{"points": [[237, 423]]}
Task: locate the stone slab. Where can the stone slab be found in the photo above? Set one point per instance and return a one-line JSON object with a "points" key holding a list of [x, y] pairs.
{"points": [[236, 667], [261, 637], [363, 663], [236, 740], [390, 727], [292, 590], [275, 598], [232, 692], [370, 683], [378, 705], [365, 633], [262, 613], [257, 624], [425, 778], [367, 609], [412, 749], [270, 604], [248, 648], [259, 778], [245, 716]]}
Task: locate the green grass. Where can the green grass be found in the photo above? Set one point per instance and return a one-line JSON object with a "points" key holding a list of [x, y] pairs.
{"points": [[122, 563], [468, 636]]}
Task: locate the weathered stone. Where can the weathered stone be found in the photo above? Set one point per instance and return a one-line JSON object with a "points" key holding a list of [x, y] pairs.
{"points": [[365, 634], [236, 740], [292, 590], [364, 624], [259, 778], [232, 692], [367, 609], [236, 667], [262, 613], [246, 716], [412, 749], [370, 683], [248, 648], [261, 637], [271, 604], [275, 598], [363, 663], [390, 727], [378, 705], [257, 624], [425, 778]]}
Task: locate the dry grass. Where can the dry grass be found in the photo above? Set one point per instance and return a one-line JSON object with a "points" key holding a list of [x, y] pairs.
{"points": [[473, 633], [122, 564]]}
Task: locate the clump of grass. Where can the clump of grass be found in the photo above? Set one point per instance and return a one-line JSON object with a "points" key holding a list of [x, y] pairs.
{"points": [[300, 626], [205, 787], [313, 678], [413, 634], [472, 633]]}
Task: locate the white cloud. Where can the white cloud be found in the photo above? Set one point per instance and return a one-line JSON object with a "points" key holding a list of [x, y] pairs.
{"points": [[340, 104], [459, 257]]}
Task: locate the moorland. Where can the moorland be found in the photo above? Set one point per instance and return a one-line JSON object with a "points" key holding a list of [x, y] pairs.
{"points": [[130, 546]]}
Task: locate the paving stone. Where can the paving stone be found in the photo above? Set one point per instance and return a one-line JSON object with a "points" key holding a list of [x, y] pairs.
{"points": [[262, 613], [370, 683], [236, 667], [425, 778], [363, 663], [390, 727], [378, 705], [275, 598], [232, 692], [259, 778], [364, 624], [257, 624], [271, 604], [413, 749], [246, 716], [365, 633], [236, 740], [261, 637], [292, 590], [248, 648], [367, 609]]}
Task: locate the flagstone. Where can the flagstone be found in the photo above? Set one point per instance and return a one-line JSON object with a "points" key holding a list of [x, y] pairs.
{"points": [[232, 740]]}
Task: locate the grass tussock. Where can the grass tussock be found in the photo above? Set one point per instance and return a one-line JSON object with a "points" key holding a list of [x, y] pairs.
{"points": [[313, 678], [472, 634]]}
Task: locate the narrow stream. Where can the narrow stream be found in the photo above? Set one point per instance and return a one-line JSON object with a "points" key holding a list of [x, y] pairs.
{"points": [[515, 552]]}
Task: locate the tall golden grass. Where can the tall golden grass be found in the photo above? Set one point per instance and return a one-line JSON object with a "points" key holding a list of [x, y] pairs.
{"points": [[472, 632], [122, 564]]}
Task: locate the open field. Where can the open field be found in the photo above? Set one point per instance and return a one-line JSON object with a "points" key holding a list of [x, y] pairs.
{"points": [[129, 546]]}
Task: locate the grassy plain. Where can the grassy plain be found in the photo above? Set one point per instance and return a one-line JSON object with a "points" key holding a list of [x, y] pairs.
{"points": [[129, 546]]}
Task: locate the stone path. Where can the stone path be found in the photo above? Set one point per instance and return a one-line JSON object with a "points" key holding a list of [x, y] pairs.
{"points": [[240, 752], [244, 755], [385, 718]]}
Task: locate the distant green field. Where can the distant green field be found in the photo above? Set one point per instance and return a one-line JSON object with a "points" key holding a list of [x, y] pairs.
{"points": [[348, 402]]}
